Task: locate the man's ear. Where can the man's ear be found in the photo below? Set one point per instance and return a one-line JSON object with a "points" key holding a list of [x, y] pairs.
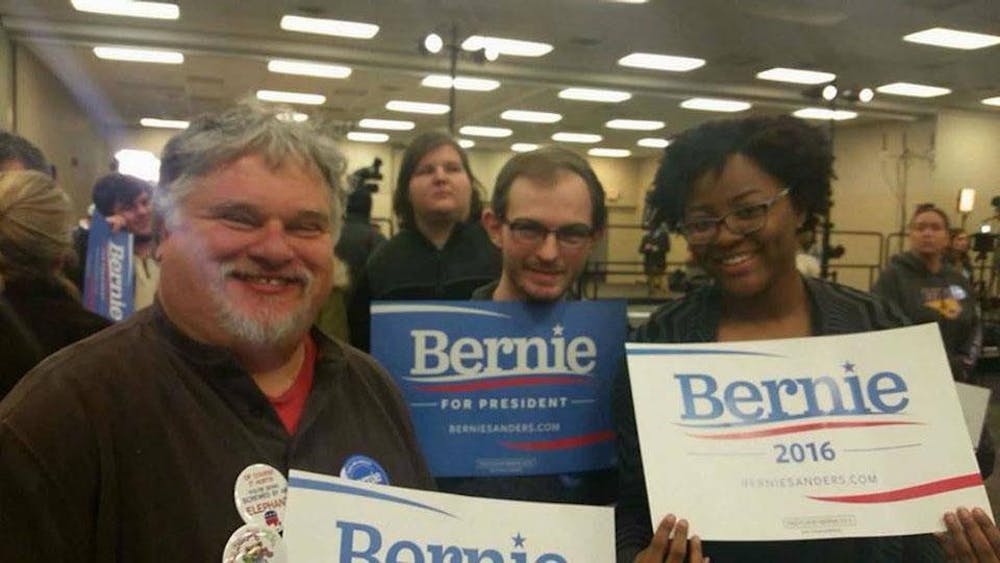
{"points": [[493, 226]]}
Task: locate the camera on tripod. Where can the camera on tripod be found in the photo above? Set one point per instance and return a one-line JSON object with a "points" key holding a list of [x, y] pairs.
{"points": [[366, 179]]}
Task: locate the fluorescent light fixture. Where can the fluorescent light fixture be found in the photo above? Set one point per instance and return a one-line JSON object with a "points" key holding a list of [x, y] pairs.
{"points": [[292, 116], [138, 163], [714, 104], [503, 46], [416, 107], [653, 143], [985, 228], [367, 137], [523, 147], [966, 200], [304, 68], [635, 124], [912, 90], [530, 116], [952, 38], [388, 124], [135, 55], [594, 95], [824, 113], [433, 43], [339, 28], [796, 76], [609, 153], [290, 97], [480, 131], [461, 83], [994, 101], [564, 137], [152, 10], [653, 61], [163, 123], [466, 143]]}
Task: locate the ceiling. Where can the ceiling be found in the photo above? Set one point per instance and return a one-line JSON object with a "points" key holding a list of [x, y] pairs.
{"points": [[227, 44]]}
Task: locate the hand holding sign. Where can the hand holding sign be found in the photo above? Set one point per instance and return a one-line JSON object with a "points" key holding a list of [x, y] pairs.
{"points": [[665, 548], [971, 537]]}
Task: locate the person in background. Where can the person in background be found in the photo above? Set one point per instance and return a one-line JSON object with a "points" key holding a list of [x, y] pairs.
{"points": [[128, 446], [17, 153], [805, 262], [739, 190], [35, 218], [654, 246], [441, 251], [958, 253]]}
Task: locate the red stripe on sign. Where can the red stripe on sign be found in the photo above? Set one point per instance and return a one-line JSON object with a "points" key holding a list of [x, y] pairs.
{"points": [[907, 493], [499, 383], [807, 427], [562, 443]]}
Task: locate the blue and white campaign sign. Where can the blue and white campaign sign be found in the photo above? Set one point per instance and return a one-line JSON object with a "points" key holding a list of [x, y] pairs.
{"points": [[109, 276], [340, 521], [505, 388], [834, 436]]}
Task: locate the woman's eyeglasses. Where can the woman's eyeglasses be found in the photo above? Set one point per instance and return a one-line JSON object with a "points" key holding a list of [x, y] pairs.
{"points": [[741, 221]]}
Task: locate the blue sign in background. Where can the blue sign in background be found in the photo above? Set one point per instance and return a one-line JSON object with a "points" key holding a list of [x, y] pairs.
{"points": [[109, 277], [505, 388]]}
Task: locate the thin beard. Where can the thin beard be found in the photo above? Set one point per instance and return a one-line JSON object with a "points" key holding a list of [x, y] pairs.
{"points": [[257, 331]]}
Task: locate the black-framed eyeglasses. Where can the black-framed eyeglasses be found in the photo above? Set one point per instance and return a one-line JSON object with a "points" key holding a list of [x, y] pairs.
{"points": [[741, 221], [527, 231]]}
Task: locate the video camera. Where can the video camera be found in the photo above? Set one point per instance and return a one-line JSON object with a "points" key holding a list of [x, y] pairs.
{"points": [[365, 179]]}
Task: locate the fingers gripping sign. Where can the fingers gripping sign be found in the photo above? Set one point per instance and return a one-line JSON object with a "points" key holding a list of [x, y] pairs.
{"points": [[971, 537], [670, 544]]}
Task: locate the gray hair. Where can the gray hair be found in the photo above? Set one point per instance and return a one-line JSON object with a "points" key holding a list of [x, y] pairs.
{"points": [[249, 128]]}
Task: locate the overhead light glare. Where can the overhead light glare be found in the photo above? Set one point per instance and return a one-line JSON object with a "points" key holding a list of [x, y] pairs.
{"points": [[994, 101], [466, 143], [866, 95], [652, 61], [594, 95], [164, 123], [134, 55], [322, 26], [480, 131], [912, 90], [824, 113], [292, 116], [609, 153], [304, 68], [461, 83], [523, 147], [564, 137], [151, 10], [387, 124], [635, 124], [367, 137], [290, 97], [530, 116], [504, 46], [952, 38], [966, 200], [138, 163], [796, 76], [714, 104], [416, 107], [653, 143], [433, 43]]}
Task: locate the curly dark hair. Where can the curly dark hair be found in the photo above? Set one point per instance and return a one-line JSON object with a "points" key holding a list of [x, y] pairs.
{"points": [[417, 149], [17, 148], [118, 189], [799, 155]]}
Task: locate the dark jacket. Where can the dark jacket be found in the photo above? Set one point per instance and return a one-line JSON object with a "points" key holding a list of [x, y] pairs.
{"points": [[835, 309]]}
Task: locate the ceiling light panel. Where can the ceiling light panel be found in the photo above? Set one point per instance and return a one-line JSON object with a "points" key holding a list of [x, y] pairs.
{"points": [[504, 46], [290, 97], [714, 104], [566, 137], [466, 143], [609, 153], [530, 116], [480, 131], [292, 116], [163, 123], [912, 90], [668, 63], [305, 68], [653, 143], [134, 55], [635, 124], [367, 137], [322, 26], [151, 10], [825, 113], [523, 147], [952, 38], [461, 83], [387, 124], [796, 76], [594, 95], [994, 101], [416, 107]]}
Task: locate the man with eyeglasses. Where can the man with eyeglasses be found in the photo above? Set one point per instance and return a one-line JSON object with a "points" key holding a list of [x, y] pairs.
{"points": [[546, 213]]}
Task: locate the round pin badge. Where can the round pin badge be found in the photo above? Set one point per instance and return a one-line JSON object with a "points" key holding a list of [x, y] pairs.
{"points": [[260, 494], [364, 468], [253, 544], [958, 292]]}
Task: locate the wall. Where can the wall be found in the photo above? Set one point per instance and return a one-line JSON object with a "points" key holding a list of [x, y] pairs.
{"points": [[6, 81], [968, 156]]}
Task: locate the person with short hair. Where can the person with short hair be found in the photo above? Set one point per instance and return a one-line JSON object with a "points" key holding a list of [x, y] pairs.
{"points": [[18, 153], [128, 446]]}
